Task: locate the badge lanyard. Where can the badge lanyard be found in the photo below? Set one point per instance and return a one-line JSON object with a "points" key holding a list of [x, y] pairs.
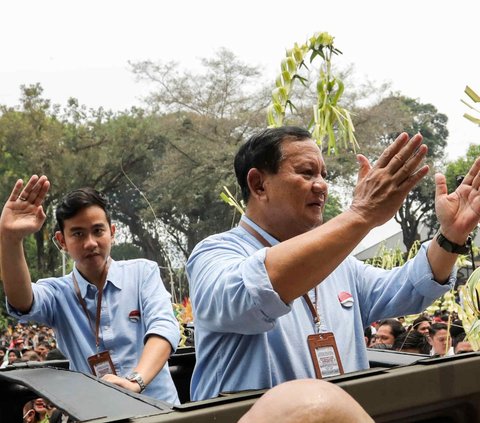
{"points": [[100, 363], [322, 346]]}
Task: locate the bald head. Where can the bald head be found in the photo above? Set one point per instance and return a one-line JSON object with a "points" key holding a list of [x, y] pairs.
{"points": [[306, 401]]}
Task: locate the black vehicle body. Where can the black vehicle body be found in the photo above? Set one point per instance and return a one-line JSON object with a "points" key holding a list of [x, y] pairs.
{"points": [[398, 388]]}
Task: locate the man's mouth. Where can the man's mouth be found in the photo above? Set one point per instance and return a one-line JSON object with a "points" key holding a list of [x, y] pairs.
{"points": [[316, 204]]}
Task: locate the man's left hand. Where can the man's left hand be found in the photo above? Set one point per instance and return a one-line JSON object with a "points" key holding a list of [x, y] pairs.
{"points": [[459, 212], [121, 381]]}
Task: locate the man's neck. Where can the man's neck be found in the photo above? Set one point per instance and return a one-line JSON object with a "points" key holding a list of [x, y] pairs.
{"points": [[267, 225], [95, 278]]}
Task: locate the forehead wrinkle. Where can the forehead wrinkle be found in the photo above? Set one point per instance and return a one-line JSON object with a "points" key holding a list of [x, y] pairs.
{"points": [[298, 150]]}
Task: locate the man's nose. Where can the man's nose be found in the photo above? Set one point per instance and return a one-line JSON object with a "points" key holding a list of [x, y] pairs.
{"points": [[319, 185], [90, 241]]}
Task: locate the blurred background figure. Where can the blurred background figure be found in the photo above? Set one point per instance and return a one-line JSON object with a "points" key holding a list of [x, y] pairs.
{"points": [[421, 324], [387, 331], [412, 342], [440, 340], [13, 355], [369, 334], [461, 345]]}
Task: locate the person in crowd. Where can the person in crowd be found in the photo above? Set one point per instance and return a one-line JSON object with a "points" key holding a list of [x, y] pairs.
{"points": [[3, 352], [461, 345], [42, 349], [114, 319], [306, 401], [55, 354], [412, 342], [30, 355], [259, 290], [19, 344], [440, 340], [14, 356], [421, 324], [40, 407], [456, 328], [388, 331], [369, 334], [29, 413]]}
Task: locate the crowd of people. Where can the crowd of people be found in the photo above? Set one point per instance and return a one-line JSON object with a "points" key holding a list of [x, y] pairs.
{"points": [[28, 342], [277, 298], [428, 335]]}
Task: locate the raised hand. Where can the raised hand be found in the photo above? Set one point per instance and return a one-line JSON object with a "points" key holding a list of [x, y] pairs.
{"points": [[459, 212], [23, 213], [381, 189]]}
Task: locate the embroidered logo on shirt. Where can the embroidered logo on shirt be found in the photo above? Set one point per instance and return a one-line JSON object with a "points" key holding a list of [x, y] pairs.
{"points": [[345, 299], [134, 316]]}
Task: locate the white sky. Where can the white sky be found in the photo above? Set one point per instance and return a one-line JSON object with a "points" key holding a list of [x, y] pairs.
{"points": [[427, 49]]}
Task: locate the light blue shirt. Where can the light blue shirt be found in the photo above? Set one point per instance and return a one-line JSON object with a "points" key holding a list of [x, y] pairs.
{"points": [[246, 337], [133, 285]]}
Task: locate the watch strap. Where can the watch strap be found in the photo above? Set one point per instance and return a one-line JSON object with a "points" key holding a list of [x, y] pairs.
{"points": [[137, 377], [450, 246]]}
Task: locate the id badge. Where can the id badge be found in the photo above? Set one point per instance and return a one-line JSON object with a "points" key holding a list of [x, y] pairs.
{"points": [[325, 357], [101, 364]]}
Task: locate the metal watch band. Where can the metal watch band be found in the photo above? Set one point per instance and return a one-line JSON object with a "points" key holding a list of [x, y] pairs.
{"points": [[450, 246], [136, 377]]}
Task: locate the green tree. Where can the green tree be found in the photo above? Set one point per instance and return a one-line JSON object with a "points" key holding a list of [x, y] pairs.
{"points": [[204, 117], [419, 206], [31, 142]]}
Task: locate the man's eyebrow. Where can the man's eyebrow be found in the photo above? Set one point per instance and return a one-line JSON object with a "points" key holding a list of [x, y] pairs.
{"points": [[82, 228]]}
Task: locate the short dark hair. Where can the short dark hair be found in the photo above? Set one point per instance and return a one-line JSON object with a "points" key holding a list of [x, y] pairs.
{"points": [[80, 199], [412, 340], [263, 151], [433, 329], [395, 326], [459, 338], [55, 354], [420, 319]]}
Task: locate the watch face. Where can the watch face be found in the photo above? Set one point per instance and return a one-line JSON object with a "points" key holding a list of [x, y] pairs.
{"points": [[135, 377]]}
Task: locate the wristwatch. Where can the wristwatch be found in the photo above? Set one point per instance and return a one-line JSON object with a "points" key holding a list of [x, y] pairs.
{"points": [[450, 246], [136, 377]]}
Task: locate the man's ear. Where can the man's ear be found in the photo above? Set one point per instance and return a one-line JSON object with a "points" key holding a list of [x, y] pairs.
{"points": [[61, 240], [112, 231], [256, 182]]}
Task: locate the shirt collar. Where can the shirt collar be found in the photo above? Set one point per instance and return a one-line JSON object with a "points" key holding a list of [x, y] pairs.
{"points": [[271, 240], [112, 278]]}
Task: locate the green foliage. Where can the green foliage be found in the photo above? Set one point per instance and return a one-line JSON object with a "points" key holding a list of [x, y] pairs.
{"points": [[476, 99], [388, 258], [419, 205], [470, 313], [126, 251], [330, 121]]}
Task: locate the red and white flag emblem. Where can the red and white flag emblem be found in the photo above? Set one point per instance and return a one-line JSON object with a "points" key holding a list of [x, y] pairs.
{"points": [[134, 316], [345, 299]]}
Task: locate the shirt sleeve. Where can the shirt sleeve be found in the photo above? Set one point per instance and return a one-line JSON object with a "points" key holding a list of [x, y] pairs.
{"points": [[42, 306], [230, 288], [404, 290], [157, 308]]}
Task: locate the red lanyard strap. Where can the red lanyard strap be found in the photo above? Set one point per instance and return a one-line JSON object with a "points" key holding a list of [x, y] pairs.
{"points": [[96, 330], [265, 243]]}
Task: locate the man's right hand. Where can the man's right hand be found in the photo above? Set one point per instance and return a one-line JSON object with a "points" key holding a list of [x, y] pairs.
{"points": [[23, 213], [381, 189]]}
